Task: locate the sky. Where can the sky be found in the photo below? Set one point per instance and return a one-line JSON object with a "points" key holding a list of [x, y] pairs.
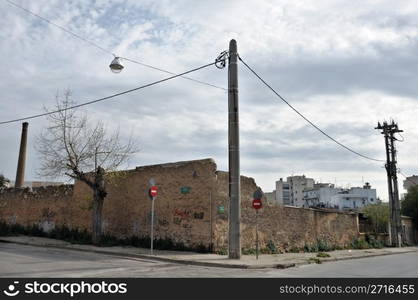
{"points": [[344, 64]]}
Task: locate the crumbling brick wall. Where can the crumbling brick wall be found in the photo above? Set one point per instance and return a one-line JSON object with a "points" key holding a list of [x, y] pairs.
{"points": [[182, 207], [191, 207], [43, 206], [288, 228]]}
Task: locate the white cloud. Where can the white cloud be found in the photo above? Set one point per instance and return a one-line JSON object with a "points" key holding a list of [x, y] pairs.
{"points": [[344, 64]]}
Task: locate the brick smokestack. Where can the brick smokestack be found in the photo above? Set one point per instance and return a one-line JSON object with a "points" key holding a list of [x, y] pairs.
{"points": [[20, 174]]}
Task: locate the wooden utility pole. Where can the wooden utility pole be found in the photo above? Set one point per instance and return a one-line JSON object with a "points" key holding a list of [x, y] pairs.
{"points": [[395, 232], [234, 243]]}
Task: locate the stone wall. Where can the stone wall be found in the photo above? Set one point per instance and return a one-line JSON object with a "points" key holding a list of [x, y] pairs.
{"points": [[191, 207], [181, 207], [43, 206], [284, 226]]}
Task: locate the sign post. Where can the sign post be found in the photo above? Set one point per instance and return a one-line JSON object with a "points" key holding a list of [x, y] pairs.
{"points": [[256, 234], [152, 192], [258, 194]]}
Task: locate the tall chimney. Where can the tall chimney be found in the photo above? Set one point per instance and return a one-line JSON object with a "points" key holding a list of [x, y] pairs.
{"points": [[20, 174]]}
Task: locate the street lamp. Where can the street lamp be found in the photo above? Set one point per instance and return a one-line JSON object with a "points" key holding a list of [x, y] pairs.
{"points": [[115, 66]]}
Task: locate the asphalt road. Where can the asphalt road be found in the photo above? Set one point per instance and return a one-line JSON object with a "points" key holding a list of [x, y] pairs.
{"points": [[28, 261]]}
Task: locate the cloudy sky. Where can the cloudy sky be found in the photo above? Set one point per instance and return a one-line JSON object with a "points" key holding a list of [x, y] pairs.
{"points": [[344, 64]]}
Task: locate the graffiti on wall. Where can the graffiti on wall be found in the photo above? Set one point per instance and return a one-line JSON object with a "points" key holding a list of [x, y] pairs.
{"points": [[182, 213], [199, 215], [47, 214], [184, 216]]}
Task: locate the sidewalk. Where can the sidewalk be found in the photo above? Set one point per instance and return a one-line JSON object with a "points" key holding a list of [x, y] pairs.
{"points": [[213, 260]]}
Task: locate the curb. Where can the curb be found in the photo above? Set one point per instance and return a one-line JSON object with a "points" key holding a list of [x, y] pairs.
{"points": [[143, 256], [367, 256], [201, 263]]}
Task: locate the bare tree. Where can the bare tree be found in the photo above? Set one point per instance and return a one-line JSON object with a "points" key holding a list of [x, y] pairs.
{"points": [[69, 146], [4, 182]]}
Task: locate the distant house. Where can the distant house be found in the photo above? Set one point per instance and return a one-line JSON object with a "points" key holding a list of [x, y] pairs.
{"points": [[290, 192], [410, 182], [338, 198]]}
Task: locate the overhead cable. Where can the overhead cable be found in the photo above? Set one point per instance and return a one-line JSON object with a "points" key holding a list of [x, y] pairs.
{"points": [[105, 50], [305, 118], [108, 97], [406, 177]]}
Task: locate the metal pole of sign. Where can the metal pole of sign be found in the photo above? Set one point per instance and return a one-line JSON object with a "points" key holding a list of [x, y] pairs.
{"points": [[152, 226], [256, 233]]}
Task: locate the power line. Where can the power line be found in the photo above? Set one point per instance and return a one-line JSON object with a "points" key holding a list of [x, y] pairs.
{"points": [[168, 72], [105, 50], [109, 97], [305, 118], [58, 26]]}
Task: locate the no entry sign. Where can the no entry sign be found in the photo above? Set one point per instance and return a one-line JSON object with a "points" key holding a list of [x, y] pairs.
{"points": [[257, 203], [153, 191]]}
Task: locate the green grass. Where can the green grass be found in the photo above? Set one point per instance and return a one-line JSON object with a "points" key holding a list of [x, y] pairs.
{"points": [[314, 260], [323, 254]]}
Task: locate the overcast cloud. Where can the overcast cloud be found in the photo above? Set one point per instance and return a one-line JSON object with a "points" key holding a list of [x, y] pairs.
{"points": [[344, 64]]}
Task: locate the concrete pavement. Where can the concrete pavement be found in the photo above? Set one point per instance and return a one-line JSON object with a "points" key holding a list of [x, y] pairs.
{"points": [[279, 261]]}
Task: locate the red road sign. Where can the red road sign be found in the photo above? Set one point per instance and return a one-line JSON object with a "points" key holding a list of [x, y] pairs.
{"points": [[257, 203], [153, 191]]}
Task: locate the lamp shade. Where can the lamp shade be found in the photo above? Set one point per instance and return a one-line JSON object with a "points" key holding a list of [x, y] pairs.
{"points": [[115, 66]]}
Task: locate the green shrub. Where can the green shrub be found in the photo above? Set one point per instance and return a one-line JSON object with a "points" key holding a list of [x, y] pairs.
{"points": [[359, 243], [320, 246], [310, 248], [250, 251], [74, 236], [324, 246], [222, 251], [271, 247], [373, 242], [200, 248], [108, 241]]}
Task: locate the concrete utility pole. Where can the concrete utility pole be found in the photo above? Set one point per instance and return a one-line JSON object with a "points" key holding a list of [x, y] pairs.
{"points": [[20, 173], [234, 164], [395, 223]]}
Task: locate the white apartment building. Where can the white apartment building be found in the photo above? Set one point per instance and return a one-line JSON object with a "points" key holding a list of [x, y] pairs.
{"points": [[291, 191], [339, 198]]}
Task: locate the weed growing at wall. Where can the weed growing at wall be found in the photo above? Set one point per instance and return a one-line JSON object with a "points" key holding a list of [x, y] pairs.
{"points": [[373, 242], [76, 236], [15, 229], [222, 251], [7, 230], [272, 247], [320, 246], [359, 244]]}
